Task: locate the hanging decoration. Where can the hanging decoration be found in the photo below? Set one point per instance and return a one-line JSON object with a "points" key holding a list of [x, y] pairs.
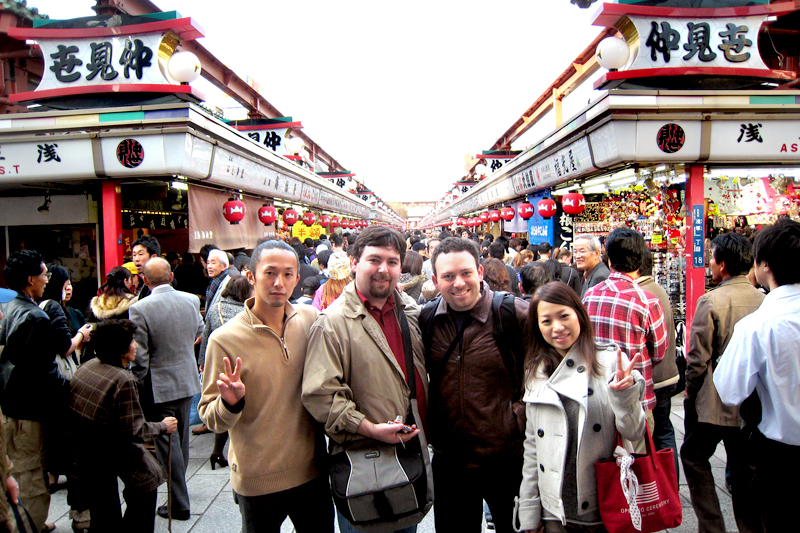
{"points": [[546, 207], [309, 218], [573, 203], [334, 222], [507, 213], [290, 217], [233, 210], [484, 217], [267, 214], [324, 220], [525, 210], [494, 215]]}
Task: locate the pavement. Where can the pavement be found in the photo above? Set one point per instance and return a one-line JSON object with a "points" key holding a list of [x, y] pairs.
{"points": [[213, 510]]}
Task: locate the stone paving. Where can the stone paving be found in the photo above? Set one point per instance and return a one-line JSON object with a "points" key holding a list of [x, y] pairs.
{"points": [[213, 510]]}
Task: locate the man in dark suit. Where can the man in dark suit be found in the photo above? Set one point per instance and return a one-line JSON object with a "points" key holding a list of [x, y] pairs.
{"points": [[168, 325]]}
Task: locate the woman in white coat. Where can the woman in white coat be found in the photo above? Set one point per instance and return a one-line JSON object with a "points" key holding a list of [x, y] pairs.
{"points": [[578, 395]]}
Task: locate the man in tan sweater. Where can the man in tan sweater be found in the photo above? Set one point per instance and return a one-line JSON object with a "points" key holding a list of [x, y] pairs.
{"points": [[277, 450]]}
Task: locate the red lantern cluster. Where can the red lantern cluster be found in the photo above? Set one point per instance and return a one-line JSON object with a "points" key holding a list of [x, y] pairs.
{"points": [[573, 203], [290, 217], [234, 211], [461, 221], [507, 213], [267, 214], [525, 210], [324, 221], [309, 218], [334, 222], [546, 207], [494, 215]]}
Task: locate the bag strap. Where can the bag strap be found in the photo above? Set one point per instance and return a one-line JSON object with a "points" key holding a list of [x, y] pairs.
{"points": [[649, 445], [506, 327], [411, 371]]}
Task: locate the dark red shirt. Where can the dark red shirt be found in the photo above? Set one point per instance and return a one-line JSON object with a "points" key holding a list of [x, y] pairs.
{"points": [[387, 320]]}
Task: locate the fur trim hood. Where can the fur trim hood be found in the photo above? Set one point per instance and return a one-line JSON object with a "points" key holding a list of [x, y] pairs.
{"points": [[109, 307]]}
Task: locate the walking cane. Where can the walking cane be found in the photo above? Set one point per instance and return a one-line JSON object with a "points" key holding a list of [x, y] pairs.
{"points": [[169, 484]]}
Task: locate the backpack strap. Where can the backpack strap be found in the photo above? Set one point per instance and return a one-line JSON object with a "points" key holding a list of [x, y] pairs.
{"points": [[508, 337], [426, 325], [411, 371]]}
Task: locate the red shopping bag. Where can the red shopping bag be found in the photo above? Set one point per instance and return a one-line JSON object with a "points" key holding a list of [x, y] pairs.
{"points": [[652, 502]]}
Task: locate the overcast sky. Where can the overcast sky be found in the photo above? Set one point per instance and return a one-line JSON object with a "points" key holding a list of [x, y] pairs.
{"points": [[397, 93]]}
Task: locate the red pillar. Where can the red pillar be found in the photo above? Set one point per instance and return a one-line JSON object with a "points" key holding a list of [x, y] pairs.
{"points": [[695, 236], [112, 226]]}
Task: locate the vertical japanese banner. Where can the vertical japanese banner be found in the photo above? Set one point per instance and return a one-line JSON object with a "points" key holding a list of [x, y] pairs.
{"points": [[563, 230], [698, 236], [540, 229]]}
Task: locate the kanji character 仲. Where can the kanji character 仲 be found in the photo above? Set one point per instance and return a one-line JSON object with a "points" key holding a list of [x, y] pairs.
{"points": [[662, 41]]}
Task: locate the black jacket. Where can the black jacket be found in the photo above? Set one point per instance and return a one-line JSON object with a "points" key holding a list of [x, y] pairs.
{"points": [[28, 372]]}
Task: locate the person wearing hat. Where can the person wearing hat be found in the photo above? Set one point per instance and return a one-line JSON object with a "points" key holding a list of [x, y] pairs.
{"points": [[339, 275]]}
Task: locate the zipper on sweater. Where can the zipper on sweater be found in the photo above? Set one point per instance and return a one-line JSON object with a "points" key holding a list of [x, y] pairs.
{"points": [[280, 339]]}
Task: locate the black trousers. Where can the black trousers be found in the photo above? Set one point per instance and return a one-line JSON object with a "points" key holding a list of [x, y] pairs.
{"points": [[777, 472], [700, 443], [460, 492], [180, 448], [309, 507], [106, 515]]}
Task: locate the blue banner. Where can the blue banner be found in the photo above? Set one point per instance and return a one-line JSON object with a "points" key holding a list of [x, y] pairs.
{"points": [[540, 229], [698, 236]]}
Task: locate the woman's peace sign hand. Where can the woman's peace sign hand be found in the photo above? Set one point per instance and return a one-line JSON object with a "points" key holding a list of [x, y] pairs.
{"points": [[622, 377]]}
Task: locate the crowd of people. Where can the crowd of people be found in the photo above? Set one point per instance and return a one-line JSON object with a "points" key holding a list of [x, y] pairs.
{"points": [[517, 365]]}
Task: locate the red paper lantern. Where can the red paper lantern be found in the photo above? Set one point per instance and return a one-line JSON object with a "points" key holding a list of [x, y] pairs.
{"points": [[494, 215], [233, 211], [476, 221], [309, 218], [335, 222], [525, 210], [573, 203], [290, 217], [324, 220], [546, 207], [484, 217], [507, 213], [460, 221], [267, 214]]}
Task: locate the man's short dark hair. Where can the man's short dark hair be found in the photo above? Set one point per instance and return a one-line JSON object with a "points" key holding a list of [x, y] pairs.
{"points": [[322, 258], [497, 250], [19, 266], [534, 275], [111, 339], [444, 234], [513, 243], [300, 250], [453, 245], [309, 242], [779, 246], [240, 260], [544, 248], [323, 237], [735, 251], [310, 285], [379, 236], [337, 240], [205, 249], [625, 248], [351, 239], [646, 268], [150, 244], [270, 245], [431, 241]]}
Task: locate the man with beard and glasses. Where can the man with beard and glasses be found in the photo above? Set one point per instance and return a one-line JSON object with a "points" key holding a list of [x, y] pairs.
{"points": [[355, 378]]}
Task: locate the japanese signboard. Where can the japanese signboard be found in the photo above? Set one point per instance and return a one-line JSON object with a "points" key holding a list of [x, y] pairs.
{"points": [[568, 162], [45, 159], [540, 229], [755, 139], [698, 236], [684, 42]]}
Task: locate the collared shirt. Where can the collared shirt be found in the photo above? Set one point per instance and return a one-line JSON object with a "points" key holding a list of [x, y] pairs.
{"points": [[623, 314], [387, 320], [763, 355]]}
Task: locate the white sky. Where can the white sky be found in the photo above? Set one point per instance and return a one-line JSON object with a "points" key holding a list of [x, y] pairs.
{"points": [[397, 92]]}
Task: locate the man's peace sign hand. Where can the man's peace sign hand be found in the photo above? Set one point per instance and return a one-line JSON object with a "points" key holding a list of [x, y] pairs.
{"points": [[230, 385]]}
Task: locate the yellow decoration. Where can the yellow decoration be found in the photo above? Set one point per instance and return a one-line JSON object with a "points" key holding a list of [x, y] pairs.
{"points": [[658, 238], [303, 232]]}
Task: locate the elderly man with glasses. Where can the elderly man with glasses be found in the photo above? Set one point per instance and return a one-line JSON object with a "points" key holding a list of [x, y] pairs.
{"points": [[586, 249]]}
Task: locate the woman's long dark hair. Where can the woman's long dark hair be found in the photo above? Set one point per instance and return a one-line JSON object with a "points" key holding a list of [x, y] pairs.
{"points": [[542, 354], [55, 287], [115, 283]]}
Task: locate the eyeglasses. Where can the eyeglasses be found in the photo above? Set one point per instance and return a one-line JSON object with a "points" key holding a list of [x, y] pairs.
{"points": [[48, 275]]}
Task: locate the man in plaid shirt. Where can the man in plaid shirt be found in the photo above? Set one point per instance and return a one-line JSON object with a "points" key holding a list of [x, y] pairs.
{"points": [[623, 314]]}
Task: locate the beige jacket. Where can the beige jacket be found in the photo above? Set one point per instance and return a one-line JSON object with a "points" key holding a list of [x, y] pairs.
{"points": [[351, 372], [717, 313], [665, 372]]}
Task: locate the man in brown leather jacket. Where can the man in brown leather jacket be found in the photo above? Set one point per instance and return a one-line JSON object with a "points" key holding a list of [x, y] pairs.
{"points": [[476, 419], [708, 420]]}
